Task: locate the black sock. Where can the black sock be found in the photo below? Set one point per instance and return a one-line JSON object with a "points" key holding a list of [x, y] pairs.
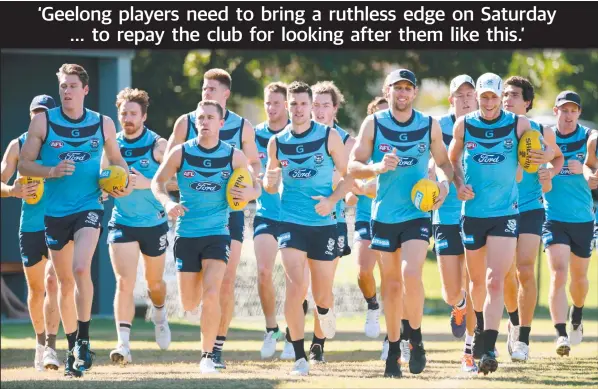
{"points": [[299, 347], [394, 348], [490, 339], [219, 344], [480, 318], [386, 338], [561, 329], [322, 311], [319, 341], [275, 329], [41, 338], [288, 335], [71, 339], [514, 317], [524, 334], [576, 315], [51, 341], [416, 336], [405, 330], [372, 302], [305, 307], [207, 355], [83, 330]]}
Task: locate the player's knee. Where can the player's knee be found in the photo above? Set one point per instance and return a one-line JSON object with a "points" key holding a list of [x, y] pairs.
{"points": [[66, 286], [264, 274], [393, 288], [210, 297], [452, 296], [81, 271], [155, 285], [525, 273], [188, 304], [494, 283], [36, 290], [412, 274], [125, 284], [558, 276], [51, 284]]}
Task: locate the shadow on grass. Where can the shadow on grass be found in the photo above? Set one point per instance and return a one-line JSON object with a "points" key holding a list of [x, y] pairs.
{"points": [[192, 382]]}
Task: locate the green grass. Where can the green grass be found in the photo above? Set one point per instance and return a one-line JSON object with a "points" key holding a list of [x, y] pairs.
{"points": [[353, 360]]}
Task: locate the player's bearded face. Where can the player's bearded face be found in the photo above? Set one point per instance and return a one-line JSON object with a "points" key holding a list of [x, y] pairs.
{"points": [[131, 117], [402, 94], [301, 107]]}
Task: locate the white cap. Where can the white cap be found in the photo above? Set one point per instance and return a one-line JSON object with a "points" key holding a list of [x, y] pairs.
{"points": [[489, 82], [460, 80]]}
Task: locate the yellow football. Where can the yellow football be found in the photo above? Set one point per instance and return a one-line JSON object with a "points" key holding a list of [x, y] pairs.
{"points": [[239, 177], [530, 140], [37, 196], [424, 194], [113, 178]]}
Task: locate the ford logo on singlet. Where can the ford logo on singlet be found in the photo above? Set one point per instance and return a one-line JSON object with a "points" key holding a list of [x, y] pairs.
{"points": [[488, 158], [565, 171], [205, 186], [302, 174], [407, 161], [75, 156]]}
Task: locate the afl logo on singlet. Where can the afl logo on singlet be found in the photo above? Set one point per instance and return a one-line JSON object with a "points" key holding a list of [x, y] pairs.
{"points": [[57, 144], [262, 155], [75, 156], [189, 173], [385, 148]]}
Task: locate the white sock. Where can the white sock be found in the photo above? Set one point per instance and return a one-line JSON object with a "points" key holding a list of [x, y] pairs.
{"points": [[124, 332], [159, 314], [468, 343], [463, 303]]}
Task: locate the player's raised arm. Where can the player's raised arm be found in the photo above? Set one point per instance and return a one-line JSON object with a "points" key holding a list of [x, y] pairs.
{"points": [[31, 148]]}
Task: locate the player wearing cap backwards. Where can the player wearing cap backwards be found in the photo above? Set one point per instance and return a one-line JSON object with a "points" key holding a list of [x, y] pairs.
{"points": [[568, 230], [34, 253], [447, 230], [399, 141], [483, 153], [518, 98]]}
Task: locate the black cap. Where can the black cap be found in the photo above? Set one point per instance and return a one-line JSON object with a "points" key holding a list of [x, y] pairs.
{"points": [[401, 75], [42, 101], [567, 97]]}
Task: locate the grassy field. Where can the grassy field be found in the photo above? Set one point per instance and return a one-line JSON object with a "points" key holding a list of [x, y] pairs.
{"points": [[352, 360]]}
